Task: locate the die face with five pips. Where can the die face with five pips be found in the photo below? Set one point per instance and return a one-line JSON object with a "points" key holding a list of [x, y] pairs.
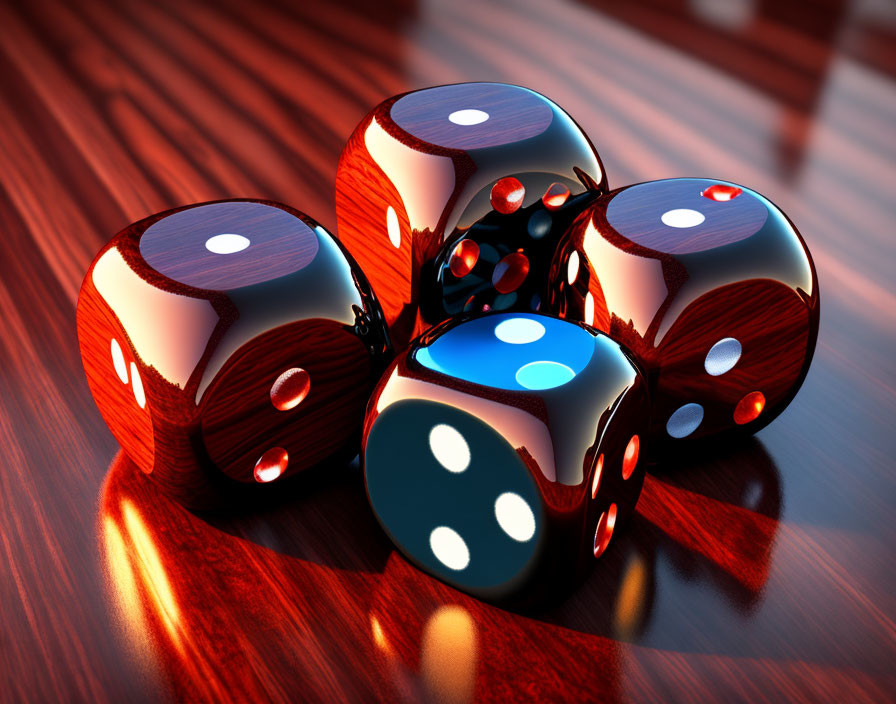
{"points": [[228, 344], [712, 289], [424, 167], [501, 452]]}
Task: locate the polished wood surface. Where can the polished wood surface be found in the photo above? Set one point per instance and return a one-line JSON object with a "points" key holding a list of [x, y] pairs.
{"points": [[757, 572]]}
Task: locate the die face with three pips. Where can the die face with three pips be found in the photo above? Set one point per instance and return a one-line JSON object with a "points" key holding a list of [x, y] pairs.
{"points": [[227, 344], [501, 452]]}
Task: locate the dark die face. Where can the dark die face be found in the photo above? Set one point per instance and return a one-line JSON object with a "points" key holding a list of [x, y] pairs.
{"points": [[502, 261], [456, 497], [500, 452]]}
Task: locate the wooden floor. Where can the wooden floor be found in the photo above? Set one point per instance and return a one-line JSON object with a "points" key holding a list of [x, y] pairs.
{"points": [[763, 572]]}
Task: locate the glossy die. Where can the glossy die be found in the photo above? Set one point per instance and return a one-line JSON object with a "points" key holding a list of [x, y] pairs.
{"points": [[228, 344], [500, 453], [425, 166], [710, 286], [501, 262]]}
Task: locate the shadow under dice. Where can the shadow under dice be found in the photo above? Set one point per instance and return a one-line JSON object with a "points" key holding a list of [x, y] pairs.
{"points": [[709, 285], [425, 166], [500, 453], [227, 344]]}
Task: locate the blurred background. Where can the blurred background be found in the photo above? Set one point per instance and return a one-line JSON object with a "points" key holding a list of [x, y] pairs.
{"points": [[758, 572]]}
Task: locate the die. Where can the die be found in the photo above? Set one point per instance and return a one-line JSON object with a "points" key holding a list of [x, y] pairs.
{"points": [[501, 452], [710, 286], [227, 344], [425, 166]]}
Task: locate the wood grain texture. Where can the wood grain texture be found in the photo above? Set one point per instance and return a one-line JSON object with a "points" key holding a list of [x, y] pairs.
{"points": [[239, 412], [181, 351], [636, 214], [276, 244], [511, 115], [670, 293], [756, 572], [409, 180]]}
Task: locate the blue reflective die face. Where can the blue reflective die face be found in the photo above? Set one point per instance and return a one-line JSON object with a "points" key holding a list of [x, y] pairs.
{"points": [[513, 351]]}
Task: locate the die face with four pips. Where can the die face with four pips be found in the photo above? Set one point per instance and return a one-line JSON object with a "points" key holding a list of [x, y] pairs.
{"points": [[501, 452], [227, 344], [712, 289], [424, 167]]}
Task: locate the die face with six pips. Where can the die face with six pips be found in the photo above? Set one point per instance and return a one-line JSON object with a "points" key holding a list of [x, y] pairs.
{"points": [[227, 344], [712, 289], [501, 262], [501, 452], [424, 167]]}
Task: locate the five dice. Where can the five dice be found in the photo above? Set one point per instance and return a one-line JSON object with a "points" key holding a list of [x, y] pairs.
{"points": [[548, 333]]}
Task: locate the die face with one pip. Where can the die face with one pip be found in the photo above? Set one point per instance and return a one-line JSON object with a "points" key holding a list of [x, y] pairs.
{"points": [[425, 166], [501, 452], [712, 289], [227, 344]]}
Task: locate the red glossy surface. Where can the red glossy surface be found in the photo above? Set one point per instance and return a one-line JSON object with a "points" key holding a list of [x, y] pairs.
{"points": [[407, 155], [758, 572], [464, 258], [595, 480], [206, 365], [507, 195], [510, 272], [630, 458], [673, 275], [555, 196], [290, 389], [721, 192], [749, 407], [271, 465], [606, 524]]}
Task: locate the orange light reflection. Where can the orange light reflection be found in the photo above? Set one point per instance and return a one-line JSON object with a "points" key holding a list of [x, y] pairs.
{"points": [[155, 579]]}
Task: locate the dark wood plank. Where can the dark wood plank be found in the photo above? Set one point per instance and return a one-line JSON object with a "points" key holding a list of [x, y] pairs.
{"points": [[761, 572]]}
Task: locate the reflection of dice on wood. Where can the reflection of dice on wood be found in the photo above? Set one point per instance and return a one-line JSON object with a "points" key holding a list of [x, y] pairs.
{"points": [[424, 166], [501, 452], [228, 343], [711, 287]]}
